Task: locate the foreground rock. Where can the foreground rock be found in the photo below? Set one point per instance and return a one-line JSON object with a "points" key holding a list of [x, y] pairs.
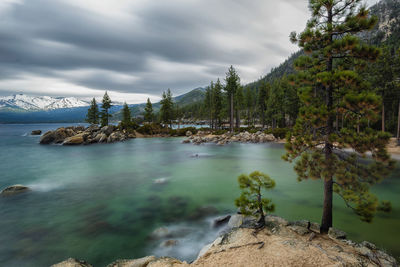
{"points": [[72, 263], [36, 132], [280, 243], [245, 137], [14, 190], [80, 135]]}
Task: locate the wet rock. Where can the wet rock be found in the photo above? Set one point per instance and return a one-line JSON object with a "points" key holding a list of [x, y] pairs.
{"points": [[220, 221], [72, 263], [74, 140], [161, 232], [14, 189], [336, 234], [368, 245], [169, 243], [36, 132], [189, 133], [185, 141], [47, 138]]}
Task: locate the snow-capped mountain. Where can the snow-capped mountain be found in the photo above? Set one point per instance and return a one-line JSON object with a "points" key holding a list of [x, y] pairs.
{"points": [[36, 103]]}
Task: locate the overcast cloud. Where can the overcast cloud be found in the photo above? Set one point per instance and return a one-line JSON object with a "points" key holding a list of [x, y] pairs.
{"points": [[139, 48]]}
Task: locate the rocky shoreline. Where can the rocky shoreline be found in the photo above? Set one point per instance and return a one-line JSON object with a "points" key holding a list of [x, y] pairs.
{"points": [[243, 137], [79, 135], [279, 243]]}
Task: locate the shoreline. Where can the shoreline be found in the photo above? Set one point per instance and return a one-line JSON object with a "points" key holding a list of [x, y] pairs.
{"points": [[279, 243]]}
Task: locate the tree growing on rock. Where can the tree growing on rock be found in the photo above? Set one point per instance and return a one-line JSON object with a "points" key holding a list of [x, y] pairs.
{"points": [[251, 200], [148, 112], [232, 84], [92, 116], [167, 109], [126, 121], [105, 106], [329, 87]]}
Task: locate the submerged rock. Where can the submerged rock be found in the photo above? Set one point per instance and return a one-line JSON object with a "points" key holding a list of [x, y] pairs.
{"points": [[36, 132], [72, 263], [169, 243], [14, 189]]}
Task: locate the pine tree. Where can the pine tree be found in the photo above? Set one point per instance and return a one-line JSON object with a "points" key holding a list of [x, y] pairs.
{"points": [[218, 102], [239, 103], [106, 105], [262, 101], [93, 113], [249, 105], [148, 111], [166, 109], [251, 200], [329, 85], [126, 117], [208, 103], [232, 84]]}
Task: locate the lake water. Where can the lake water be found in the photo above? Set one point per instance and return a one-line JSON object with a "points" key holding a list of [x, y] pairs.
{"points": [[102, 202]]}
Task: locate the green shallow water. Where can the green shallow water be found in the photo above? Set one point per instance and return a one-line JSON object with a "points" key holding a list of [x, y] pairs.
{"points": [[101, 202]]}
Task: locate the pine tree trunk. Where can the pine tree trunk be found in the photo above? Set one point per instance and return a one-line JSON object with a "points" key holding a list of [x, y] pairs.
{"points": [[263, 118], [328, 182], [231, 111], [383, 117], [237, 119], [398, 123]]}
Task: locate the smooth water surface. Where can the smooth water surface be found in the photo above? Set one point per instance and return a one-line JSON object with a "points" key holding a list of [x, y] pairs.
{"points": [[101, 202]]}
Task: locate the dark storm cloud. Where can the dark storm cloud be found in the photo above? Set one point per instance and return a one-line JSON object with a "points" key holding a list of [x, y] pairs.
{"points": [[140, 46]]}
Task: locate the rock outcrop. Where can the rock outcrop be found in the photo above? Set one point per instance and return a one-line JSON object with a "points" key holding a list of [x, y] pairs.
{"points": [[279, 243], [84, 136], [36, 132], [244, 137], [14, 189], [72, 263]]}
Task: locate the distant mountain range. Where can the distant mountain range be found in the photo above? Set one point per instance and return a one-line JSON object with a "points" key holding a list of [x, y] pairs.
{"points": [[23, 102], [22, 108]]}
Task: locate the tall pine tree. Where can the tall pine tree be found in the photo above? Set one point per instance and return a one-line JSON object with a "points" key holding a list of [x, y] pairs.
{"points": [[232, 84], [126, 121], [105, 106], [148, 112], [329, 85], [167, 109], [92, 116]]}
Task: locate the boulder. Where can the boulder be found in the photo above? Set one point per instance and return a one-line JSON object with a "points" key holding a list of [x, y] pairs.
{"points": [[186, 141], [159, 233], [47, 138], [72, 263], [36, 132], [74, 140], [142, 262], [93, 128], [336, 234], [299, 229], [220, 221], [315, 227], [14, 189], [169, 243], [235, 221], [103, 138], [276, 219], [189, 133], [108, 129]]}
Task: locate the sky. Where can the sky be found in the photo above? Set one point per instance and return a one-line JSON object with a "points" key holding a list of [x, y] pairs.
{"points": [[139, 48]]}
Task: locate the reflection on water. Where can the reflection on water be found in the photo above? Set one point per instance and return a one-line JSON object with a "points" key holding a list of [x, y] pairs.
{"points": [[103, 202]]}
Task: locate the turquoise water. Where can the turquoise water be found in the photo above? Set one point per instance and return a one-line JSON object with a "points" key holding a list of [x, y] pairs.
{"points": [[102, 202]]}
